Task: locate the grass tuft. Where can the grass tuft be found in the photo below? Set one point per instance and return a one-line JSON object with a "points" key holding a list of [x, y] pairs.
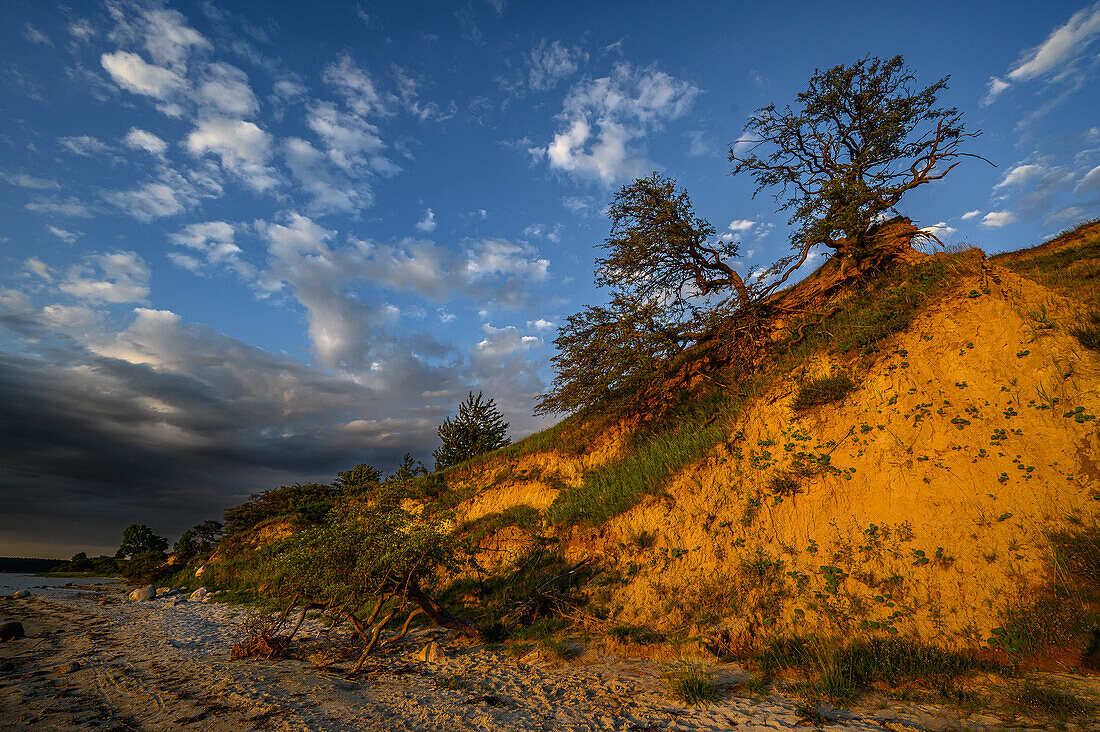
{"points": [[823, 390], [1088, 333], [636, 634], [1034, 698], [692, 685]]}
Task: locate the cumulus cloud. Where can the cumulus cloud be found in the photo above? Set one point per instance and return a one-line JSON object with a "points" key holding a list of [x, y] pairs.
{"points": [[1057, 57], [243, 148], [971, 215], [426, 224], [117, 277], [213, 241], [741, 226], [224, 89], [550, 64], [939, 230], [997, 219], [603, 118], [168, 195], [144, 140], [131, 72], [358, 88], [329, 190], [352, 143]]}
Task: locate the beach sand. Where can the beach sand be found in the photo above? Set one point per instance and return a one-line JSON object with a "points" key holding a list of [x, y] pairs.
{"points": [[157, 666]]}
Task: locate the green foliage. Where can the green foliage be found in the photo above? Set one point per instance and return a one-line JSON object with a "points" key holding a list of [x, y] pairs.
{"points": [[636, 634], [146, 566], [82, 563], [197, 541], [523, 516], [477, 428], [556, 650], [651, 460], [1069, 264], [407, 469], [1088, 332], [861, 137], [363, 550], [692, 685], [305, 504], [823, 390], [361, 477], [1031, 697], [138, 538]]}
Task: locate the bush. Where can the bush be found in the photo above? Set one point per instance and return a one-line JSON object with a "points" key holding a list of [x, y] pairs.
{"points": [[307, 504], [823, 390], [692, 685]]}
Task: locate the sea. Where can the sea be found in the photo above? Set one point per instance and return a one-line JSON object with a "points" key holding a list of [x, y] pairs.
{"points": [[51, 587]]}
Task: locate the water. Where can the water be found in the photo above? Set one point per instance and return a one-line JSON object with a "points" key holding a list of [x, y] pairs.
{"points": [[54, 587]]}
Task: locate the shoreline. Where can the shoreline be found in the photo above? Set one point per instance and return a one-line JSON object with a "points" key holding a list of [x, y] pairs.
{"points": [[159, 665]]}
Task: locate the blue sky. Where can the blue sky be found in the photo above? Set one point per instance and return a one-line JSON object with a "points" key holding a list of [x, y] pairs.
{"points": [[251, 243]]}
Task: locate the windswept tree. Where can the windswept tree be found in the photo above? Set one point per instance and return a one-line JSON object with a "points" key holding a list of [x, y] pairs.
{"points": [[859, 138], [478, 427], [138, 538]]}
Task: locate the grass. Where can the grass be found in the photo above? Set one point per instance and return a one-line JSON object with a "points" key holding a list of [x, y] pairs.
{"points": [[823, 390], [454, 683], [842, 670], [1043, 699], [689, 684], [636, 634], [650, 461], [1088, 332], [1072, 270], [556, 650], [522, 516]]}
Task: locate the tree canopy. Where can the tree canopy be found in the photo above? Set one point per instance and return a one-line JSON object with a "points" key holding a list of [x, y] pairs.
{"points": [[478, 427], [137, 538], [860, 137]]}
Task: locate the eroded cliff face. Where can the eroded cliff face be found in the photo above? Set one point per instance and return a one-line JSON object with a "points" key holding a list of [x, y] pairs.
{"points": [[920, 504]]}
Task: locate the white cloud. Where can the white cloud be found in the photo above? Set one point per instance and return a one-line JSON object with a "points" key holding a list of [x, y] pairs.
{"points": [[225, 91], [550, 64], [66, 236], [131, 72], [741, 226], [145, 140], [36, 36], [358, 88], [117, 277], [500, 342], [350, 141], [1089, 183], [165, 34], [330, 191], [40, 268], [745, 142], [214, 241], [427, 224], [153, 200], [68, 207], [602, 117], [85, 145], [970, 215], [997, 219], [409, 90], [940, 230], [1021, 175], [243, 147], [1055, 57], [540, 324], [29, 181], [81, 30]]}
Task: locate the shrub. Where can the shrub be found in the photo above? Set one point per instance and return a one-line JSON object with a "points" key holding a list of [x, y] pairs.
{"points": [[823, 390], [692, 685]]}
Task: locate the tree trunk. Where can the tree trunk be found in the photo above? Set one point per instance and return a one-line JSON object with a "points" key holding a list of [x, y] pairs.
{"points": [[440, 616]]}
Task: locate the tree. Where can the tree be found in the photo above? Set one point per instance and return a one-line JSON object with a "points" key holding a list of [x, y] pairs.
{"points": [[478, 427], [862, 136], [360, 477], [366, 564], [407, 469], [199, 540], [138, 538]]}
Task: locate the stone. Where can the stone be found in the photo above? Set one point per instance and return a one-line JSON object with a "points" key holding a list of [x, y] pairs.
{"points": [[163, 591], [21, 594], [431, 653], [11, 631], [201, 571], [148, 592], [198, 595]]}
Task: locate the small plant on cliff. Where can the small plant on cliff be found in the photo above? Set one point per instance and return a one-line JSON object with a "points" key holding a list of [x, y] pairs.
{"points": [[823, 390], [478, 427], [692, 685]]}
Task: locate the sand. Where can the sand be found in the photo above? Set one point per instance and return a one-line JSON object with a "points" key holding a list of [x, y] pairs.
{"points": [[159, 666]]}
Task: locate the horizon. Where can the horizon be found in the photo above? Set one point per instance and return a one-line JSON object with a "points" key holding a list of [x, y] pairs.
{"points": [[246, 248]]}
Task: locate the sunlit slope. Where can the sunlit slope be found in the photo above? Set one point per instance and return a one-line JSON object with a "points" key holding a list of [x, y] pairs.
{"points": [[917, 503]]}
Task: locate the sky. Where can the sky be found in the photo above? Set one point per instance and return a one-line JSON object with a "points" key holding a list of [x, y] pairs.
{"points": [[247, 244]]}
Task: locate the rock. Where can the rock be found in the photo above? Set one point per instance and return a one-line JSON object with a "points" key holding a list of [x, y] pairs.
{"points": [[11, 631], [198, 595], [201, 571], [67, 668], [142, 593], [178, 601], [163, 591], [21, 594], [431, 653]]}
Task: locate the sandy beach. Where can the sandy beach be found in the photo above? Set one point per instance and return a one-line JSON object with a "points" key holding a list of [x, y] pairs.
{"points": [[165, 664]]}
